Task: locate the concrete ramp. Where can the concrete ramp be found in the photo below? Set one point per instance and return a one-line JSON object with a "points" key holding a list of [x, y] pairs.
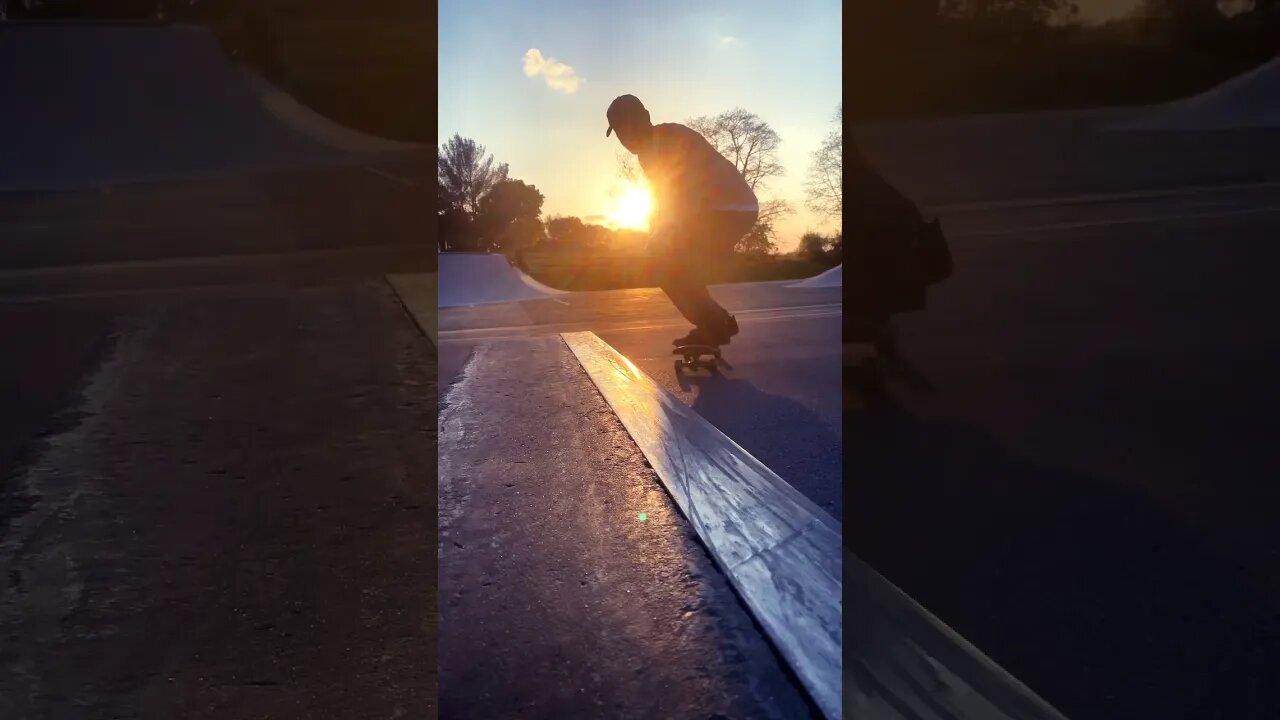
{"points": [[484, 279], [1249, 100], [831, 278], [307, 122], [92, 105]]}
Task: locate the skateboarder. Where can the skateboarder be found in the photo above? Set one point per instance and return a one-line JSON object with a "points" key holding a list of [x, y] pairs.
{"points": [[703, 208], [895, 255]]}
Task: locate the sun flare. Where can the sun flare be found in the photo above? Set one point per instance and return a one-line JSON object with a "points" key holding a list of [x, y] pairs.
{"points": [[631, 209]]}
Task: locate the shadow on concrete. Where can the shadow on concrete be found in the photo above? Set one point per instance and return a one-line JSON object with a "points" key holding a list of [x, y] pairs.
{"points": [[807, 455], [1094, 597]]}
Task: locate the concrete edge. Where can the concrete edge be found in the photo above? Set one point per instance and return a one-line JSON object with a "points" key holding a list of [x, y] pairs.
{"points": [[1095, 198], [780, 552], [417, 292], [198, 261], [305, 121], [906, 662], [768, 538]]}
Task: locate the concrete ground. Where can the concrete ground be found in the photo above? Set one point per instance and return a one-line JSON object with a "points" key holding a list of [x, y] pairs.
{"points": [[776, 397], [600, 614], [557, 599], [1075, 472], [218, 496]]}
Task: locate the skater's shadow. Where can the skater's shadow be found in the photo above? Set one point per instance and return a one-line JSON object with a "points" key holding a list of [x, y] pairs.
{"points": [[899, 368], [786, 436], [1087, 592]]}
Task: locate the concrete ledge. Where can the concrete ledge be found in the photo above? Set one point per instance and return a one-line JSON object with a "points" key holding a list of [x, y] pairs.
{"points": [[905, 663], [418, 293], [780, 551]]}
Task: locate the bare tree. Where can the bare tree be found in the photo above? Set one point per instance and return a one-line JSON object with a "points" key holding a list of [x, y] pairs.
{"points": [[764, 234], [752, 146], [466, 174], [825, 183], [629, 169], [746, 140]]}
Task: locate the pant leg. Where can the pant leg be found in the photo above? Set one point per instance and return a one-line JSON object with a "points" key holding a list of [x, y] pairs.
{"points": [[880, 225], [701, 246], [683, 293]]}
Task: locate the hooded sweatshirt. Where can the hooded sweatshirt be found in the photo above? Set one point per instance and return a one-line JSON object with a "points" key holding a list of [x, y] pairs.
{"points": [[688, 175]]}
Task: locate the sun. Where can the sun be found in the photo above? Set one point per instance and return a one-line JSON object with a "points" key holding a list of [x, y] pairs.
{"points": [[632, 208]]}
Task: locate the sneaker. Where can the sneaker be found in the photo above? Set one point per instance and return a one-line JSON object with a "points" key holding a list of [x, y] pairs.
{"points": [[696, 336]]}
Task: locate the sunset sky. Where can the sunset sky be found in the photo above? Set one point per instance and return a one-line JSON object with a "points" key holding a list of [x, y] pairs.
{"points": [[531, 82]]}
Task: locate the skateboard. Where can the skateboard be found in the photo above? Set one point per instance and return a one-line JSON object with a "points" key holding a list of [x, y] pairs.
{"points": [[692, 356]]}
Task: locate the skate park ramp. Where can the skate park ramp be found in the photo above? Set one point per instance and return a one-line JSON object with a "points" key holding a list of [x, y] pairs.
{"points": [[300, 118], [130, 142], [1249, 100], [830, 278], [477, 278], [91, 105]]}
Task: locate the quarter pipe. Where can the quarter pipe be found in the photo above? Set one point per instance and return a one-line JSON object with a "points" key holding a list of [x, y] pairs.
{"points": [[486, 278], [146, 141], [93, 105], [831, 278], [1249, 100]]}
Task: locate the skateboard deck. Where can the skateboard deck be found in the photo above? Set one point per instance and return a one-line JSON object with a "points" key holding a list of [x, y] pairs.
{"points": [[692, 356]]}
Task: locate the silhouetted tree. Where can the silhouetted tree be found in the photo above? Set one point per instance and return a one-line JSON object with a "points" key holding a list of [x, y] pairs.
{"points": [[629, 168], [1012, 12], [816, 246], [825, 186], [746, 140], [571, 233], [1249, 32], [771, 212], [455, 230], [565, 232], [466, 174], [752, 146], [509, 218], [83, 9], [895, 21], [760, 241]]}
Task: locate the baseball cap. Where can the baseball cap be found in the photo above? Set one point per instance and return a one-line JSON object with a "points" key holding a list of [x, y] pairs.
{"points": [[625, 108]]}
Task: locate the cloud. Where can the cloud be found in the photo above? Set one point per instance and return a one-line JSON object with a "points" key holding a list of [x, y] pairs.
{"points": [[729, 41], [558, 75]]}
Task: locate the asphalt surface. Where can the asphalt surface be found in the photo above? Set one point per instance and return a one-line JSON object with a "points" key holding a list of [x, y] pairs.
{"points": [[217, 499], [1074, 470], [556, 599], [777, 398]]}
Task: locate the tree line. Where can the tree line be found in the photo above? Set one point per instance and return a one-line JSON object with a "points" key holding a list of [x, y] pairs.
{"points": [[481, 208], [928, 57]]}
